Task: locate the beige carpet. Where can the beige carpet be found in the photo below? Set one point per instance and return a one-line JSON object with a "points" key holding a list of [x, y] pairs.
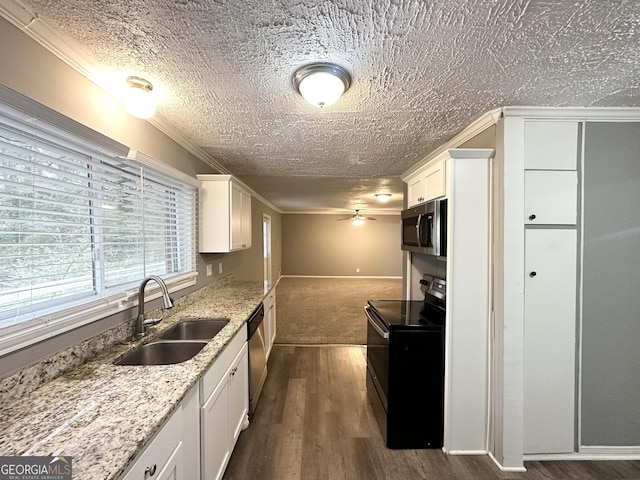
{"points": [[328, 310]]}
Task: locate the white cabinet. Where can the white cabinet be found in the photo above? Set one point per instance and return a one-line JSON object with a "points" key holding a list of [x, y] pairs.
{"points": [[225, 403], [165, 457], [549, 340], [428, 183], [550, 197], [225, 214], [550, 145], [270, 320]]}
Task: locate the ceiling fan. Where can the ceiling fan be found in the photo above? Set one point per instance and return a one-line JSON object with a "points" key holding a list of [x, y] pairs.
{"points": [[358, 218]]}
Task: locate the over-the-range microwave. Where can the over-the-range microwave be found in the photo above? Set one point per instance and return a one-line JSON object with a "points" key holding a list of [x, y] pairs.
{"points": [[424, 228]]}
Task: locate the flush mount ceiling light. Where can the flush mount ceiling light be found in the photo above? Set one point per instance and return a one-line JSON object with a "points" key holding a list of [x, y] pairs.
{"points": [[139, 100], [321, 84], [383, 197]]}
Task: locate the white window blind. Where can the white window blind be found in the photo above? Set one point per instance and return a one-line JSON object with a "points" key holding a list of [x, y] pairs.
{"points": [[79, 224]]}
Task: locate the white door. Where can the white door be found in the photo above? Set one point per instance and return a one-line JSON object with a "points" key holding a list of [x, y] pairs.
{"points": [[550, 197], [550, 341], [266, 248], [215, 449]]}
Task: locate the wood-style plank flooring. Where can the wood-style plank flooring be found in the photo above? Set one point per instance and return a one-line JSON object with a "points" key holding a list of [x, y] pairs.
{"points": [[314, 421]]}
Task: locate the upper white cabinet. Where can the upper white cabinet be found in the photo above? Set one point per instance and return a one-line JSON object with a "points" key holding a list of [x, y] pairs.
{"points": [[550, 176], [427, 183], [550, 145], [225, 214], [550, 197]]}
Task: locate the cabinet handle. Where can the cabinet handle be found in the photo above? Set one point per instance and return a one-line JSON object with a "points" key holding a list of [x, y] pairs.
{"points": [[151, 471], [532, 217], [532, 274]]}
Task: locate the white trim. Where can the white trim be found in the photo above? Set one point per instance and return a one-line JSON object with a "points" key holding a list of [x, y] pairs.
{"points": [[344, 211], [589, 454], [466, 452], [622, 114], [485, 121], [603, 450], [342, 276], [151, 162], [505, 469]]}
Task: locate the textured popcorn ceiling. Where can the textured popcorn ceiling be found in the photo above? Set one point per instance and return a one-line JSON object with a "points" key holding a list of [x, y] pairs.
{"points": [[422, 70]]}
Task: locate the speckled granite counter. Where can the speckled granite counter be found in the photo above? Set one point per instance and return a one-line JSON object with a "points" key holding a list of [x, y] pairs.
{"points": [[102, 414]]}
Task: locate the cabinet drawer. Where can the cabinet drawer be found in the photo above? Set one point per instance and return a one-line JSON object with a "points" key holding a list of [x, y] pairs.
{"points": [[221, 364], [159, 451]]}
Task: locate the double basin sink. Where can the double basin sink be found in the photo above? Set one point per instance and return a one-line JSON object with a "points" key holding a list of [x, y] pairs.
{"points": [[178, 344]]}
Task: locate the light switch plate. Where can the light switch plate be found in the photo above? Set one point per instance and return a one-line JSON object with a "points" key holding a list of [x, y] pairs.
{"points": [[209, 270]]}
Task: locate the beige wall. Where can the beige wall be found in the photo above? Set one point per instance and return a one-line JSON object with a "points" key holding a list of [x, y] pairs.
{"points": [[321, 245], [31, 70]]}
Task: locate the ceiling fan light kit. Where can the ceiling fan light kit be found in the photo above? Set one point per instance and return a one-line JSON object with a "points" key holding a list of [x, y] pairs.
{"points": [[321, 84]]}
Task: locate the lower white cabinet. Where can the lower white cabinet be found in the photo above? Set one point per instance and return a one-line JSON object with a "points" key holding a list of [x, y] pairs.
{"points": [[270, 320], [165, 457], [225, 403]]}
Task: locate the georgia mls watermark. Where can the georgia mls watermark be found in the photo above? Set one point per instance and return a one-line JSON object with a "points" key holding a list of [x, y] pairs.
{"points": [[35, 468]]}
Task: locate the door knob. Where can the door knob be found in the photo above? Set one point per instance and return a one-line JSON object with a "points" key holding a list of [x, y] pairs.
{"points": [[532, 274], [532, 217]]}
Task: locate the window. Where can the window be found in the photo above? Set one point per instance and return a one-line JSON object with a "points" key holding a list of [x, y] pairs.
{"points": [[80, 225]]}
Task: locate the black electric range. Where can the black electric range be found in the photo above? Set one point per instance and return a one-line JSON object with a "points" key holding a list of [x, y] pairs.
{"points": [[405, 367]]}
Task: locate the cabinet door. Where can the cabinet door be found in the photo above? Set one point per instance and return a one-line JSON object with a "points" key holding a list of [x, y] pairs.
{"points": [[159, 451], [550, 197], [435, 181], [215, 450], [173, 469], [246, 220], [550, 145], [415, 191], [238, 392], [549, 343], [236, 217]]}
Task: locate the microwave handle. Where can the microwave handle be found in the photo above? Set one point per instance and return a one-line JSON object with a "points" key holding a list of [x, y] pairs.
{"points": [[419, 229]]}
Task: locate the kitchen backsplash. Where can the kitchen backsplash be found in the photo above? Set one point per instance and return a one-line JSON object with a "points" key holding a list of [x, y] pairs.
{"points": [[30, 378]]}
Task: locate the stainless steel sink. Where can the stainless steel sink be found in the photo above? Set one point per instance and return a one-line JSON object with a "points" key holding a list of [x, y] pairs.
{"points": [[195, 329], [162, 353]]}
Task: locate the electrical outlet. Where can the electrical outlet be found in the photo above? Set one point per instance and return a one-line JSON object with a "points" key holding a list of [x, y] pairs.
{"points": [[220, 267], [357, 270], [209, 270]]}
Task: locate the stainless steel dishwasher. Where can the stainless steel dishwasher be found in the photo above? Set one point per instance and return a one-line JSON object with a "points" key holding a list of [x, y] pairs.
{"points": [[257, 356]]}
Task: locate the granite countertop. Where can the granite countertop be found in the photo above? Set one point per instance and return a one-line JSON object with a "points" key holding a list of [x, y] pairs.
{"points": [[103, 414]]}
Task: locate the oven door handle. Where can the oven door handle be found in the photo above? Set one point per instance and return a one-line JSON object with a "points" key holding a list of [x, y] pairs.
{"points": [[384, 334]]}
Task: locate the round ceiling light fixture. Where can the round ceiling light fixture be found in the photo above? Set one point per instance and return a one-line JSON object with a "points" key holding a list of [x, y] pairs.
{"points": [[139, 100], [321, 84], [383, 197]]}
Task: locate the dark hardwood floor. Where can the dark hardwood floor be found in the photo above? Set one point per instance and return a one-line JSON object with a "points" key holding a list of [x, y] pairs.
{"points": [[313, 421]]}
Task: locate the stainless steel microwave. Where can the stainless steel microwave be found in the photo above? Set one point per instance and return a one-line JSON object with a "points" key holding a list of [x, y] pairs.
{"points": [[424, 228]]}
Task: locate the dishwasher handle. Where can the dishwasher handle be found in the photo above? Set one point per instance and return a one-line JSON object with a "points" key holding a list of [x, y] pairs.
{"points": [[372, 321]]}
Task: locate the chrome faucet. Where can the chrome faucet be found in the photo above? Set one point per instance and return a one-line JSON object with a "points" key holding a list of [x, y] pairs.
{"points": [[141, 327]]}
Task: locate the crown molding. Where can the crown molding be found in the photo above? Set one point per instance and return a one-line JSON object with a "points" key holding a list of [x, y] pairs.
{"points": [[612, 114], [485, 121], [71, 54]]}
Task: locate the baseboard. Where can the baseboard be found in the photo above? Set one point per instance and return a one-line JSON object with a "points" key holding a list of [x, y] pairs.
{"points": [[503, 468], [364, 277], [466, 452], [597, 453]]}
